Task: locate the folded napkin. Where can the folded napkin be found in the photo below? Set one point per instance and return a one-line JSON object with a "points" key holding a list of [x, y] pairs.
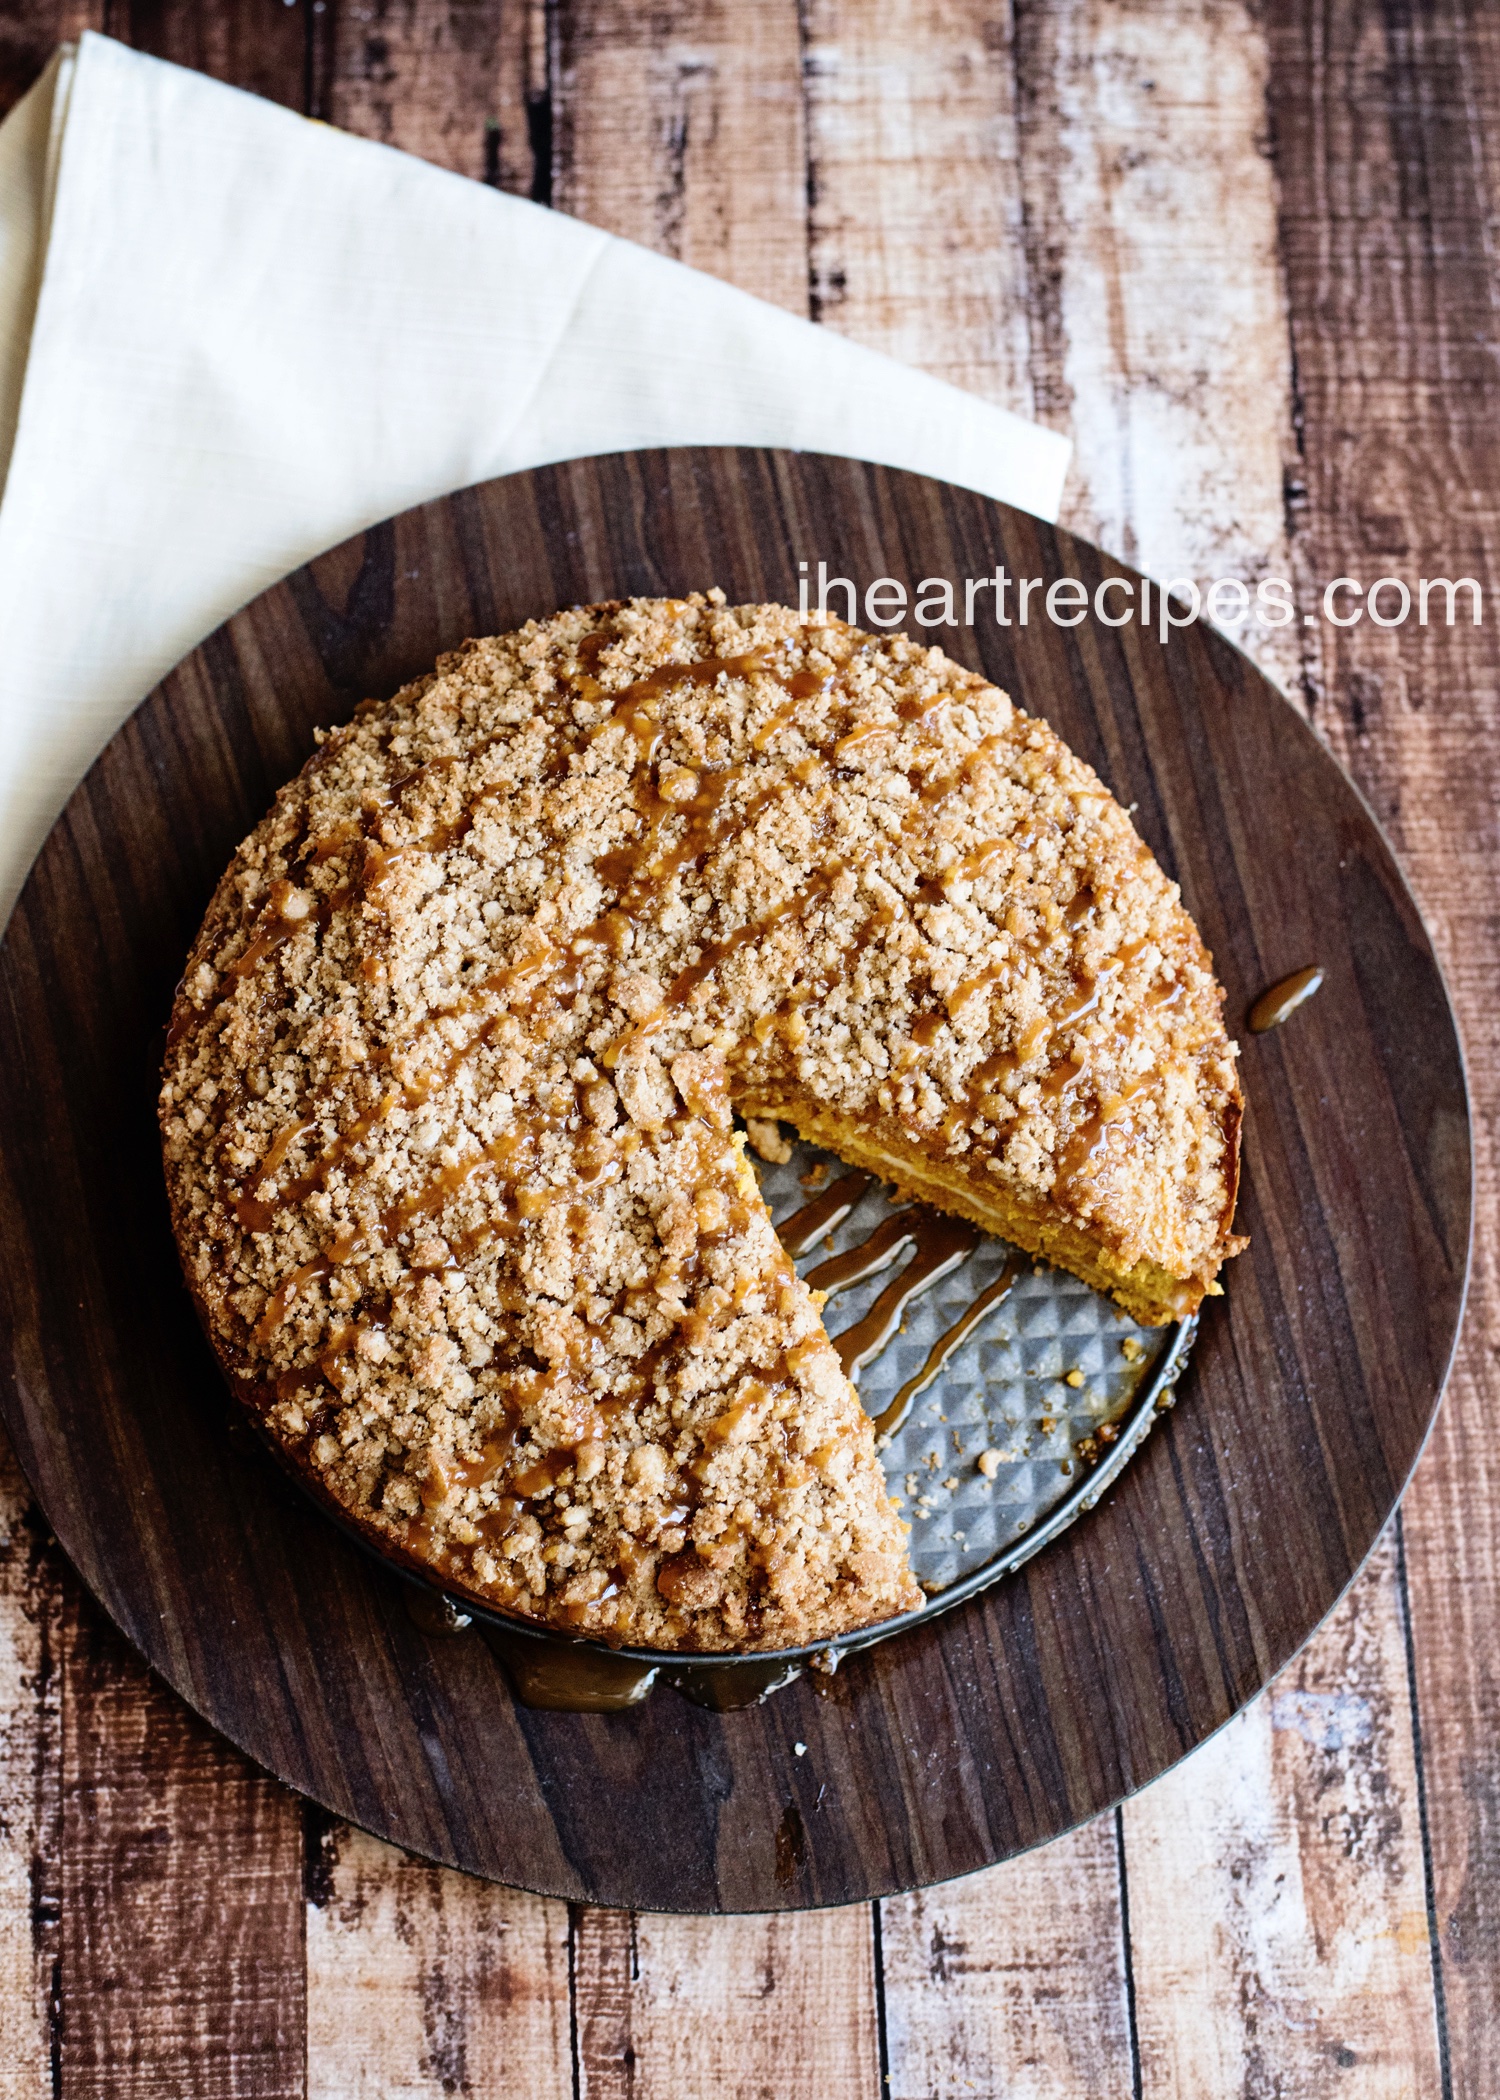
{"points": [[230, 337]]}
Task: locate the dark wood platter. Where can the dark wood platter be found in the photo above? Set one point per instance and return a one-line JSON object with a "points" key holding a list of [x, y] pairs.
{"points": [[1018, 1714]]}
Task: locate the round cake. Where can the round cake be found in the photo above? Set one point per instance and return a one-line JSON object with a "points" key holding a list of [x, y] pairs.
{"points": [[448, 1109]]}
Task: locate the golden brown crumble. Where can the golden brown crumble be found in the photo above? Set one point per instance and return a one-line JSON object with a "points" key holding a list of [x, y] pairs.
{"points": [[446, 1107]]}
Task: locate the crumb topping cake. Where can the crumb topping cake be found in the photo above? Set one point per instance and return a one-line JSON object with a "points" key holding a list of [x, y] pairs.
{"points": [[447, 1104]]}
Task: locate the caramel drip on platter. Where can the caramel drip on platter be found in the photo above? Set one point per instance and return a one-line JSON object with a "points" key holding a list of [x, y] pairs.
{"points": [[557, 1679], [941, 1245], [800, 1233], [886, 1245], [1282, 1000], [945, 1348]]}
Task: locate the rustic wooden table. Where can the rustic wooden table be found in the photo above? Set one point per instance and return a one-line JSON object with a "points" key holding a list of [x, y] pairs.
{"points": [[1243, 251]]}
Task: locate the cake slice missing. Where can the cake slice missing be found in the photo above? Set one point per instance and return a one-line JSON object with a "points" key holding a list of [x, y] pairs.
{"points": [[447, 1102]]}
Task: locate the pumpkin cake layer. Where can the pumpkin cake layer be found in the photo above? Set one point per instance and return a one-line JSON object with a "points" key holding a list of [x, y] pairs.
{"points": [[446, 1109]]}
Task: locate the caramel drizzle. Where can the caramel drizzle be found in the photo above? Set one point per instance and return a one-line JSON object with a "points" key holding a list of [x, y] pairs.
{"points": [[531, 1471], [941, 1245], [500, 1155], [940, 788], [634, 871], [801, 686], [679, 993], [1067, 1079], [637, 707], [1282, 1000], [885, 1245], [638, 880], [947, 1345], [800, 1233]]}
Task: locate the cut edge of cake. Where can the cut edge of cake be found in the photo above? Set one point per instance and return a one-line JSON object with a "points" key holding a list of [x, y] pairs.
{"points": [[1147, 1291]]}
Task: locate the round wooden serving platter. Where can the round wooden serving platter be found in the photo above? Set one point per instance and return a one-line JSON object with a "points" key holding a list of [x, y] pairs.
{"points": [[1016, 1715]]}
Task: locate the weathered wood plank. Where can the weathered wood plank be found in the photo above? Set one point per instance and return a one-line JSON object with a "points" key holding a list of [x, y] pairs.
{"points": [[765, 2008], [30, 1767], [1013, 1981], [261, 45], [29, 32], [916, 236], [1142, 151], [681, 127], [460, 82], [422, 1983], [1277, 1900], [180, 1887], [1158, 326], [1385, 121]]}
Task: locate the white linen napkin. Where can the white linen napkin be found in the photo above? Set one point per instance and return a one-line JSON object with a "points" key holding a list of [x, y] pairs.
{"points": [[229, 338]]}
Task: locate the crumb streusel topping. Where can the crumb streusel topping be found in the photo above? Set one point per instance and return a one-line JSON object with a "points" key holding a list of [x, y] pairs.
{"points": [[447, 1099]]}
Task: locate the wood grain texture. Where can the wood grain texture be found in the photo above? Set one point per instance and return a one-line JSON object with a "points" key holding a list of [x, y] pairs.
{"points": [[1278, 1912], [916, 241], [460, 82], [261, 45], [30, 1790], [1013, 1982], [30, 30], [179, 1893], [682, 128], [1385, 121], [1158, 324], [1124, 1644], [423, 1983], [764, 2008]]}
